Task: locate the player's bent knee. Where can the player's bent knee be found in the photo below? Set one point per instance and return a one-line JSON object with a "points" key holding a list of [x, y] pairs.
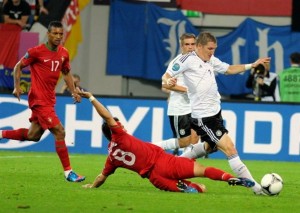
{"points": [[34, 139]]}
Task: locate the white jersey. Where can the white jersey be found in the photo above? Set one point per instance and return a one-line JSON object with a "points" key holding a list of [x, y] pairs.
{"points": [[179, 103], [199, 77]]}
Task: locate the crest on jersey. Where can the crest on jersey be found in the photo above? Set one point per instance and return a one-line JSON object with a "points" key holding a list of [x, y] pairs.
{"points": [[62, 59], [176, 67], [218, 133], [49, 119], [26, 55], [182, 132]]}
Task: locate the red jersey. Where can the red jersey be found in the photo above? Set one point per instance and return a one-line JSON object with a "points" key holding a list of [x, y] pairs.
{"points": [[129, 152], [45, 67]]}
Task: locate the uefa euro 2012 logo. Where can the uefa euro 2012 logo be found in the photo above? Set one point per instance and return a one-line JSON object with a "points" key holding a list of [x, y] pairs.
{"points": [[176, 67]]}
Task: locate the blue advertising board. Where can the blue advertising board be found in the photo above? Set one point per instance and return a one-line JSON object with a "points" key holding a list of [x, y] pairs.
{"points": [[261, 131]]}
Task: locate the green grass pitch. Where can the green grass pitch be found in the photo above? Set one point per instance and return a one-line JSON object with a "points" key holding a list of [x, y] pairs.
{"points": [[34, 182]]}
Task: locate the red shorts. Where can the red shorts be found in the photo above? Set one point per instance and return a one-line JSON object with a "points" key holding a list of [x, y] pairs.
{"points": [[44, 116], [169, 169]]}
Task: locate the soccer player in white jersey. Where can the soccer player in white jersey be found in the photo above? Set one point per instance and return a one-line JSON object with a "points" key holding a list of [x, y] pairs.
{"points": [[179, 107], [198, 69]]}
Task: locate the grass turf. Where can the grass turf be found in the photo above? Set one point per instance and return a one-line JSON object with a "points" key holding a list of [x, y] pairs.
{"points": [[33, 182]]}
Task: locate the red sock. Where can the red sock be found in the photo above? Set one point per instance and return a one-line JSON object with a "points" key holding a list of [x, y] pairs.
{"points": [[217, 174], [62, 152], [18, 134]]}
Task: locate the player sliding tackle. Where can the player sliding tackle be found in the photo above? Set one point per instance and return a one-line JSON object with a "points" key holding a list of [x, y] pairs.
{"points": [[164, 171]]}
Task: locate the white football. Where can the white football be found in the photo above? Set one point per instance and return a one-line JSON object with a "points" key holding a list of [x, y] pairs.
{"points": [[272, 184]]}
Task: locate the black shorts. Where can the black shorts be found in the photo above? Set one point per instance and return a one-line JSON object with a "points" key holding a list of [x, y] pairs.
{"points": [[180, 125], [211, 129]]}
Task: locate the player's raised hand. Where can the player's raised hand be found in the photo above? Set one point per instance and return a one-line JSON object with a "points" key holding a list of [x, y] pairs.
{"points": [[17, 92], [261, 61], [84, 94]]}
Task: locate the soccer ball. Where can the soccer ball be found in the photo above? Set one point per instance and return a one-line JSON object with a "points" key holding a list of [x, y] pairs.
{"points": [[272, 184]]}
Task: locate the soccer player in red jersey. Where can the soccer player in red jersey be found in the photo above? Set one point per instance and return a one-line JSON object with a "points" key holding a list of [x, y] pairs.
{"points": [[47, 61], [165, 171]]}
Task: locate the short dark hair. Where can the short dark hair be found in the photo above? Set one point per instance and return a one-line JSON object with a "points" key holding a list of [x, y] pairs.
{"points": [[56, 24], [106, 130], [295, 58]]}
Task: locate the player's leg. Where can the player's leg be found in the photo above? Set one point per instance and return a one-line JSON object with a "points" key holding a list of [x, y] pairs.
{"points": [[49, 120], [162, 182], [171, 143], [218, 174], [17, 134], [211, 172], [180, 125], [168, 144], [34, 132], [238, 167], [215, 134], [199, 148], [58, 132], [170, 172]]}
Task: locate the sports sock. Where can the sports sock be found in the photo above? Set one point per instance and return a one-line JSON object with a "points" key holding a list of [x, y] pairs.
{"points": [[66, 172], [197, 151], [17, 134], [62, 152], [168, 144], [241, 170], [216, 174]]}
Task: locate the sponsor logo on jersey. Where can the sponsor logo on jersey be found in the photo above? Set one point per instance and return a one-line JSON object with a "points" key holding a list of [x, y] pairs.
{"points": [[46, 60], [176, 67]]}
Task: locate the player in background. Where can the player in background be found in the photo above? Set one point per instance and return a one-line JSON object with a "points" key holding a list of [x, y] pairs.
{"points": [[165, 171], [179, 107], [47, 61], [198, 69]]}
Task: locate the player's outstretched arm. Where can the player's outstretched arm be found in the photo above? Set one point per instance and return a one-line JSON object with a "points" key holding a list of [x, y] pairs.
{"points": [[100, 179], [102, 111], [235, 69]]}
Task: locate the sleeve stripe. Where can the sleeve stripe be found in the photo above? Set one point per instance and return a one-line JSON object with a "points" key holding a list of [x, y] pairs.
{"points": [[185, 56]]}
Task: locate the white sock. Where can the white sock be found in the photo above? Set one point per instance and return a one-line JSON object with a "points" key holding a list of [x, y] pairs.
{"points": [[187, 148], [67, 172], [168, 144], [197, 151], [241, 170]]}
